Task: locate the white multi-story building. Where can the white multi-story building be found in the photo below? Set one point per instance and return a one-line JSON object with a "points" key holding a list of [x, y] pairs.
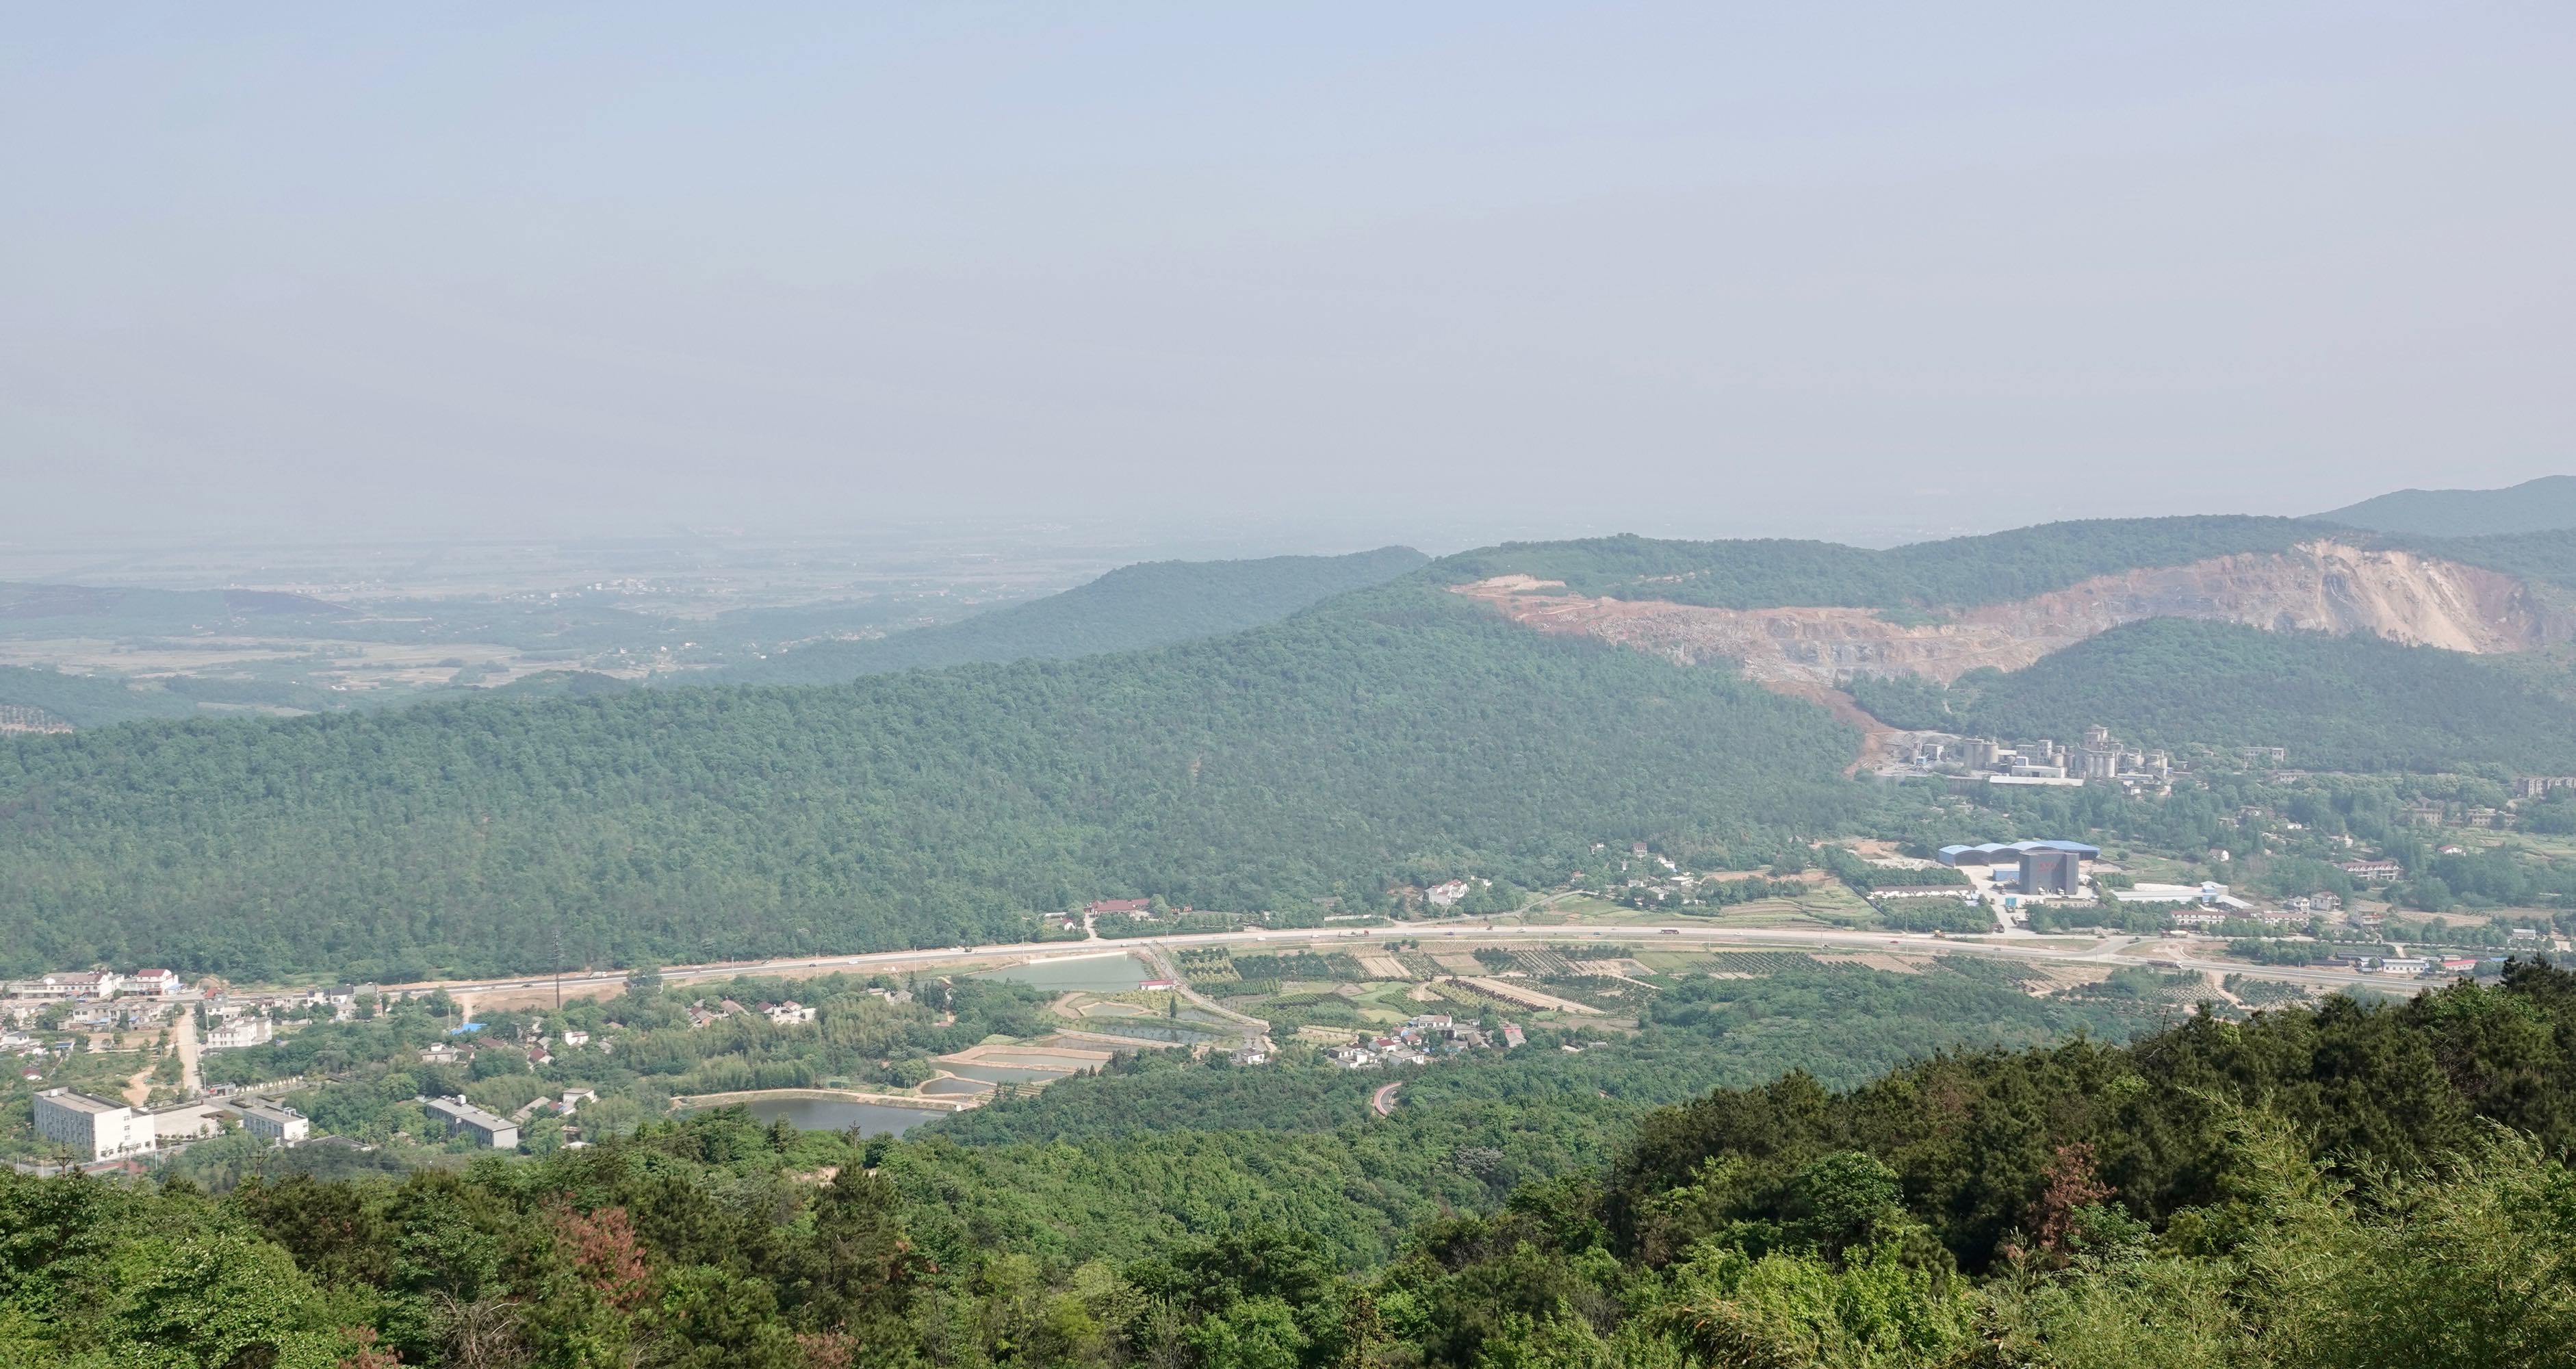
{"points": [[246, 1030], [274, 1123], [500, 1133], [93, 1127]]}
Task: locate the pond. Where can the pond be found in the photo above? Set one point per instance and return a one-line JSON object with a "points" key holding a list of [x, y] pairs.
{"points": [[955, 1086], [834, 1114], [1091, 973]]}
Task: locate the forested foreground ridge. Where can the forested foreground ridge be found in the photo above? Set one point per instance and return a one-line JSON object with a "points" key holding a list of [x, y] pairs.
{"points": [[1151, 604], [2338, 1186], [1389, 735]]}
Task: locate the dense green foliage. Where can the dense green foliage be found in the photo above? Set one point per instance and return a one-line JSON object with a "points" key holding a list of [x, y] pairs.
{"points": [[2337, 1187], [91, 611], [2533, 506], [1396, 734], [2546, 558], [2337, 703], [89, 700], [1957, 573], [1151, 604]]}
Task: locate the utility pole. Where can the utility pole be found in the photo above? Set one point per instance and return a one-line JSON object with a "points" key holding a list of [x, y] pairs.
{"points": [[559, 968]]}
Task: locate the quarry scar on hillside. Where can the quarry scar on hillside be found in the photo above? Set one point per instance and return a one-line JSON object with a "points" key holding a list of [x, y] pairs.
{"points": [[2322, 586]]}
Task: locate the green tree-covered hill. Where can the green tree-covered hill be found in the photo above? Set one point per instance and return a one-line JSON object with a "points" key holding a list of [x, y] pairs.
{"points": [[1391, 734], [2545, 504], [1152, 604], [2337, 703]]}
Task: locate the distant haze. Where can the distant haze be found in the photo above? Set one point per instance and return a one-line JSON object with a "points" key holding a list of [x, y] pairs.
{"points": [[1867, 272]]}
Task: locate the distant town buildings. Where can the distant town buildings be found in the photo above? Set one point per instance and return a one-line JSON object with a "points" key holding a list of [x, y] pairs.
{"points": [[2372, 871], [95, 984], [1446, 895]]}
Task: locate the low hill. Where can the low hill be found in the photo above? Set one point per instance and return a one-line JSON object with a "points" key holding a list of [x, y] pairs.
{"points": [[88, 700], [2338, 703], [2542, 505], [1394, 734], [90, 611], [1152, 604]]}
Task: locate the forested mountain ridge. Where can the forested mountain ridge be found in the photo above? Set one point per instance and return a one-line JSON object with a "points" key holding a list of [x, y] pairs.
{"points": [[1153, 603], [1388, 735], [2542, 505]]}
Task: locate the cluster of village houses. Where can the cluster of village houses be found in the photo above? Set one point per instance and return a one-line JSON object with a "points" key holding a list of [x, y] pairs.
{"points": [[1423, 1038], [95, 1129]]}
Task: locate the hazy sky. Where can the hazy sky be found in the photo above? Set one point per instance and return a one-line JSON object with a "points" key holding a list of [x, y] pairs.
{"points": [[1682, 268]]}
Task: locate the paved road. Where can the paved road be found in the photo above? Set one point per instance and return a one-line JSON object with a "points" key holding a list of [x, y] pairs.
{"points": [[2117, 950], [183, 1034], [1384, 1099]]}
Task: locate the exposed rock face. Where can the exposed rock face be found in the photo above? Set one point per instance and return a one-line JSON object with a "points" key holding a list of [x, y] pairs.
{"points": [[2323, 586]]}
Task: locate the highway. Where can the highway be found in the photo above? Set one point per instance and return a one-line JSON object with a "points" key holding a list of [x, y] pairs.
{"points": [[2169, 953]]}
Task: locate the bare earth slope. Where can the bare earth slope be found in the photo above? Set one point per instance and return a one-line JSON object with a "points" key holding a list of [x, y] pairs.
{"points": [[2321, 586]]}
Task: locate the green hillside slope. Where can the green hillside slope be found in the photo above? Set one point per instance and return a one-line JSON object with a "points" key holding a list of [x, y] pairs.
{"points": [[88, 700], [90, 611], [1153, 604], [2540, 505], [1393, 732], [2337, 703]]}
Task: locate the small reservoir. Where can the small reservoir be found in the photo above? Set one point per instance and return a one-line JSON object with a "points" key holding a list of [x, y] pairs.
{"points": [[833, 1114], [1116, 972]]}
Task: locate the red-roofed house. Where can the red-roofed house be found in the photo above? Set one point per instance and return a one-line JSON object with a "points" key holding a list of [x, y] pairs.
{"points": [[1119, 905]]}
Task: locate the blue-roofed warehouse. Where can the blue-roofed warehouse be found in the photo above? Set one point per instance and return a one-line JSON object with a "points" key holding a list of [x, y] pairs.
{"points": [[2010, 853]]}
